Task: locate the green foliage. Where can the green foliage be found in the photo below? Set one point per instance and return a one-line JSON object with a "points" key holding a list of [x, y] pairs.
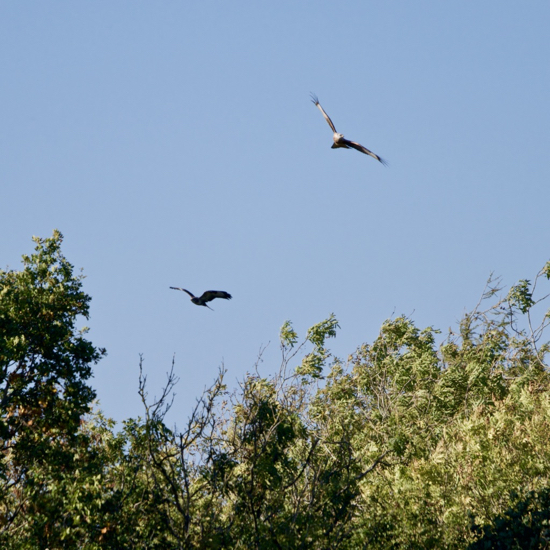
{"points": [[44, 364], [313, 363], [288, 335], [416, 441], [524, 525], [521, 297]]}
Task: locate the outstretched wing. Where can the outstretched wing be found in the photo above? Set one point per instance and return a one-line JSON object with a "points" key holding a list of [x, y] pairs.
{"points": [[327, 118], [359, 147], [183, 290], [209, 295]]}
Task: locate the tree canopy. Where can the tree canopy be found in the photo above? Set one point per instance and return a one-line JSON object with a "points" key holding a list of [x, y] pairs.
{"points": [[416, 440]]}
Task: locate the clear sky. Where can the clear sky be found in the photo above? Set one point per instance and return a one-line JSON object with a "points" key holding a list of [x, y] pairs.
{"points": [[174, 144]]}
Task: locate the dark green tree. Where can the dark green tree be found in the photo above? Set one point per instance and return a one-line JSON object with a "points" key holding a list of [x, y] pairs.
{"points": [[45, 363], [524, 525]]}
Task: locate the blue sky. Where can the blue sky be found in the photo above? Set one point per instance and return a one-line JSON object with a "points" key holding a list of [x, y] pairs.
{"points": [[174, 144]]}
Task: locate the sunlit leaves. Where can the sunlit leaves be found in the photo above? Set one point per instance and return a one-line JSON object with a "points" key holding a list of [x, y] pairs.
{"points": [[318, 333], [521, 297], [288, 335], [312, 363]]}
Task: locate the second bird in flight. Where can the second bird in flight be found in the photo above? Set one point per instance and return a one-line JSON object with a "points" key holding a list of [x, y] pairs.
{"points": [[207, 296]]}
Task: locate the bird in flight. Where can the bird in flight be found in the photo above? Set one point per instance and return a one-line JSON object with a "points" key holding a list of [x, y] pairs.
{"points": [[207, 296], [340, 141]]}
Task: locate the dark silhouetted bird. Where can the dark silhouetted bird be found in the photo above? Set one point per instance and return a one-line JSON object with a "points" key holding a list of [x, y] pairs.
{"points": [[340, 141], [207, 296]]}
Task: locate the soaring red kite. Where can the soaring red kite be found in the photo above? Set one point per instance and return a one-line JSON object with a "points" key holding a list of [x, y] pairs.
{"points": [[340, 141]]}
